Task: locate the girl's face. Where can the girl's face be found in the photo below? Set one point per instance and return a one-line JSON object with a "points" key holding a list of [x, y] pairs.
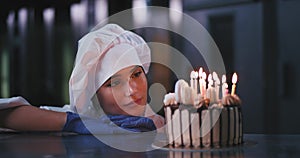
{"points": [[125, 92]]}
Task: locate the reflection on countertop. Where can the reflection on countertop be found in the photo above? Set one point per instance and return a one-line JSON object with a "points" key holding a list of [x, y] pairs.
{"points": [[49, 144]]}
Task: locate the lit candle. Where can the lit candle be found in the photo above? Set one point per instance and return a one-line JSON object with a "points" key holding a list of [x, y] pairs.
{"points": [[204, 84], [192, 79], [204, 80], [200, 72], [210, 81], [217, 85], [224, 86], [195, 81], [200, 80], [210, 90], [234, 80]]}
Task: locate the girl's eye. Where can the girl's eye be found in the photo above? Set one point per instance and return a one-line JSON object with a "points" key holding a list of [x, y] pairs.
{"points": [[137, 74], [113, 83]]}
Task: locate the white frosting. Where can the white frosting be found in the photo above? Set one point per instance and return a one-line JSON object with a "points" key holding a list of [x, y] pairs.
{"points": [[187, 96], [183, 94], [185, 122], [170, 99], [179, 86]]}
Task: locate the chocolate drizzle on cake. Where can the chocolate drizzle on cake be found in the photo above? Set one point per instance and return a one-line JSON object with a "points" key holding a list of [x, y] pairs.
{"points": [[200, 124], [226, 131], [229, 127]]}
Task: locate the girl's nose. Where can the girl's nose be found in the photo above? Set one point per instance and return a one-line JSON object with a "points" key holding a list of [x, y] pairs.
{"points": [[130, 88]]}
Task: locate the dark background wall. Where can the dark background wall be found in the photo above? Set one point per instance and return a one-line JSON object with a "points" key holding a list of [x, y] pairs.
{"points": [[257, 38]]}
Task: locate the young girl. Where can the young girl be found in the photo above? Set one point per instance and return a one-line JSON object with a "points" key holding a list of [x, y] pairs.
{"points": [[108, 82]]}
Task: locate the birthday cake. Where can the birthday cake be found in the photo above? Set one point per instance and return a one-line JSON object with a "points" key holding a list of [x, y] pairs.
{"points": [[202, 117]]}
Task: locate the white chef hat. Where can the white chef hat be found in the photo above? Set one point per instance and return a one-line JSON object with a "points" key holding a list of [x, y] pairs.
{"points": [[101, 53]]}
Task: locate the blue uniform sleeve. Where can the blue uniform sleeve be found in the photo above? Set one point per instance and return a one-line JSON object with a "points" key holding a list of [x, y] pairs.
{"points": [[77, 124], [133, 123]]}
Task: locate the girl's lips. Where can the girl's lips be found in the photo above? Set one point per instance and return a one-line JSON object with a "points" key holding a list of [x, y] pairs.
{"points": [[135, 102], [138, 101]]}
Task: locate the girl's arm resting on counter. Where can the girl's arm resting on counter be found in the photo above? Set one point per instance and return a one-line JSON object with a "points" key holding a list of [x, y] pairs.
{"points": [[31, 118]]}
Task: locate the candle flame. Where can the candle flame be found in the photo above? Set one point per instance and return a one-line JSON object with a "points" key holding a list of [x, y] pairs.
{"points": [[200, 72], [215, 76], [223, 78], [204, 75], [209, 77], [234, 78], [195, 74]]}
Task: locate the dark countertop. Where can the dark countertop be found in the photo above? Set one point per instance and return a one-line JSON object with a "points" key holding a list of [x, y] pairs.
{"points": [[50, 145]]}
